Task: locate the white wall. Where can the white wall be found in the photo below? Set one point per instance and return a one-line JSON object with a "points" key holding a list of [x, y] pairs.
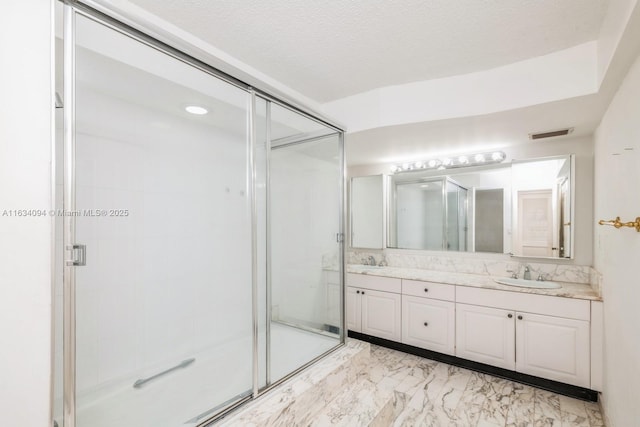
{"points": [[617, 173], [25, 183]]}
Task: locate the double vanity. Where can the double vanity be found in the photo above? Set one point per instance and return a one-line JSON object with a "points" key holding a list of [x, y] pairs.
{"points": [[531, 333]]}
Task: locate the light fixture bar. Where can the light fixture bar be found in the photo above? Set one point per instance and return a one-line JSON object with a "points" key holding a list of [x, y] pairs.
{"points": [[451, 162]]}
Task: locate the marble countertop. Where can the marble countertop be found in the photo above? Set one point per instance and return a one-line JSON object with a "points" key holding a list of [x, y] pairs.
{"points": [[568, 289]]}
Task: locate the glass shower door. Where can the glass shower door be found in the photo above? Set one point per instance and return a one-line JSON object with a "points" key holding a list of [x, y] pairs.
{"points": [[160, 207], [305, 240]]}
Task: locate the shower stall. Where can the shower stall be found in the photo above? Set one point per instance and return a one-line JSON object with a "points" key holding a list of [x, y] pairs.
{"points": [[200, 255]]}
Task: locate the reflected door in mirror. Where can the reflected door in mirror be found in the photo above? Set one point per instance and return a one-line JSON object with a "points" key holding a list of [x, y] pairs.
{"points": [[535, 223]]}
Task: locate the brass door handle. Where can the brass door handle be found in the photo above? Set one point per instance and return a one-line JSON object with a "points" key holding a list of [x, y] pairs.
{"points": [[618, 224]]}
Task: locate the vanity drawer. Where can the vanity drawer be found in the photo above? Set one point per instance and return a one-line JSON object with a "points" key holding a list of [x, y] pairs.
{"points": [[522, 301], [376, 283], [433, 290]]}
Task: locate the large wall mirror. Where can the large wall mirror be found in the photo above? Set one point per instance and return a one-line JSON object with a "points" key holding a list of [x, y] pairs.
{"points": [[522, 208]]}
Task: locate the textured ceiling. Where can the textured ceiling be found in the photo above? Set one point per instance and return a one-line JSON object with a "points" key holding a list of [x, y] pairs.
{"points": [[330, 49]]}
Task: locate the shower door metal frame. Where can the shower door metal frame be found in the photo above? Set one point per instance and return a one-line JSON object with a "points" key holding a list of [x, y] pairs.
{"points": [[102, 15]]}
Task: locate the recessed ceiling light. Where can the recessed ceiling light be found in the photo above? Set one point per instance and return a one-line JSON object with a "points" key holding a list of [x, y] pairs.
{"points": [[194, 109]]}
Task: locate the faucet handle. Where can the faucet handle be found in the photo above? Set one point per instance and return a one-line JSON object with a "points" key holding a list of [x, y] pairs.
{"points": [[514, 274], [542, 277]]}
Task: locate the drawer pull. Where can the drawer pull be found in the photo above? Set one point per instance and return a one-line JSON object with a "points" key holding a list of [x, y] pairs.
{"points": [[426, 324], [509, 315], [362, 292], [519, 317], [426, 289], [357, 292]]}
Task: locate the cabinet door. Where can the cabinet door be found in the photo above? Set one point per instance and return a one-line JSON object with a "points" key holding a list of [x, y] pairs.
{"points": [[553, 347], [354, 309], [428, 323], [333, 307], [486, 335], [381, 314]]}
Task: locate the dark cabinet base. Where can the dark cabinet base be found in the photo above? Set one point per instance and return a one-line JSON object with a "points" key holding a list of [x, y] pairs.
{"points": [[554, 386]]}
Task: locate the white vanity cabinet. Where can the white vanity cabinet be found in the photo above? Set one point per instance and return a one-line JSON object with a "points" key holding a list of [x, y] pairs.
{"points": [[428, 316], [553, 347], [374, 306], [541, 335], [332, 297], [486, 335], [538, 335]]}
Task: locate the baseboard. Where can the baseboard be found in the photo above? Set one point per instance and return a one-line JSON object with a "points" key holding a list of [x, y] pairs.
{"points": [[543, 383]]}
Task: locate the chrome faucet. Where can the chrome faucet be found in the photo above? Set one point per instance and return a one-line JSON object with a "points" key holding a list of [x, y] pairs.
{"points": [[527, 273], [371, 260]]}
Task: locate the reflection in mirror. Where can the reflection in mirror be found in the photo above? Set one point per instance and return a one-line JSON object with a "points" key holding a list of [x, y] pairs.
{"points": [[367, 212], [542, 207], [465, 210]]}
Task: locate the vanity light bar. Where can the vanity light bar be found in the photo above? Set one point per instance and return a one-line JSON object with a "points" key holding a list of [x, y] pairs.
{"points": [[451, 162]]}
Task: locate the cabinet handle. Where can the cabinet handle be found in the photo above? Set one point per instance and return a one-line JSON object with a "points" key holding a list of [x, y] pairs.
{"points": [[426, 289], [426, 324], [519, 317], [357, 292], [509, 315], [362, 292]]}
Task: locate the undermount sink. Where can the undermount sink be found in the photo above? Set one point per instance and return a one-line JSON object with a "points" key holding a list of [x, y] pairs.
{"points": [[523, 283]]}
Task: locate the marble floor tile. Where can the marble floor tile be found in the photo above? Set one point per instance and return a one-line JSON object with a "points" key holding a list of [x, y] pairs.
{"points": [[546, 409], [391, 388], [593, 414]]}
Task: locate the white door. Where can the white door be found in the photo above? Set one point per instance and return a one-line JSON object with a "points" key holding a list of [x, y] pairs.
{"points": [[428, 323], [381, 314], [485, 335], [553, 347], [354, 309], [535, 223]]}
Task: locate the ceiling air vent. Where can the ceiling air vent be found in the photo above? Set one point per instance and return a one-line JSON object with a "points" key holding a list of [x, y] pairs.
{"points": [[550, 134]]}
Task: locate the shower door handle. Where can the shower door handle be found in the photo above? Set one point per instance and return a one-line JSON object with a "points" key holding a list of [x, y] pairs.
{"points": [[79, 255]]}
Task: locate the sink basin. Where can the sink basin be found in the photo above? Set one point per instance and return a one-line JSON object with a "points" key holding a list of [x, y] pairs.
{"points": [[522, 283]]}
